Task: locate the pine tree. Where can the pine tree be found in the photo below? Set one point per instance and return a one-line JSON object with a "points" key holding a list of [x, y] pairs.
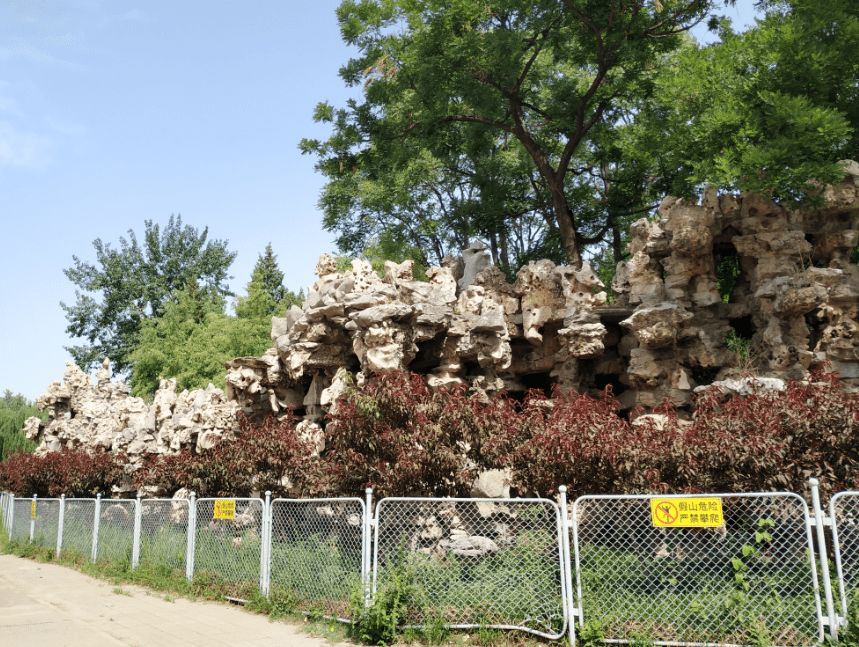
{"points": [[271, 277], [266, 296]]}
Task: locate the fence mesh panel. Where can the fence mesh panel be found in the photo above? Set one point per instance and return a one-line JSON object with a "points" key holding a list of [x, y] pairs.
{"points": [[316, 549], [229, 548], [733, 584], [47, 522], [474, 562], [21, 520], [845, 514], [116, 529], [164, 532], [77, 527]]}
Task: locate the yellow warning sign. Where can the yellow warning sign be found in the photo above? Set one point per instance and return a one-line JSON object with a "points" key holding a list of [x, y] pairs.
{"points": [[225, 509], [32, 509], [703, 512]]}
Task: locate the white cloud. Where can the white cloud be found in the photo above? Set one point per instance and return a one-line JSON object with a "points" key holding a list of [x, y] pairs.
{"points": [[21, 48], [23, 149]]}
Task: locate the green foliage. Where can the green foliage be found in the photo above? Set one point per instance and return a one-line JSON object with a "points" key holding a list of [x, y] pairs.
{"points": [[14, 410], [849, 636], [266, 296], [135, 283], [194, 337], [590, 634], [190, 341], [503, 121], [737, 602], [378, 623], [771, 110]]}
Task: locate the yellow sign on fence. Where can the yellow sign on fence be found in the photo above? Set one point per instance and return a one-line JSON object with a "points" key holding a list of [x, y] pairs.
{"points": [[704, 512], [32, 509], [225, 509]]}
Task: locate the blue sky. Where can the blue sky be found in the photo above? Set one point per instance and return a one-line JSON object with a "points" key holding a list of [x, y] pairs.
{"points": [[112, 113]]}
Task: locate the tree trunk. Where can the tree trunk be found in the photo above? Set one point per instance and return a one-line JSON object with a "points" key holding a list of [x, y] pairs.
{"points": [[565, 225]]}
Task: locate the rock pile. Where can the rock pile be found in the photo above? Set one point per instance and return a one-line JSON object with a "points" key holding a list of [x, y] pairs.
{"points": [[104, 414], [794, 302]]}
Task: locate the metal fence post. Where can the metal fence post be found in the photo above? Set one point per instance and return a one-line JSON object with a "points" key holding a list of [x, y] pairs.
{"points": [[367, 544], [60, 522], [831, 616], [94, 554], [192, 535], [11, 515], [33, 518], [135, 541], [265, 548], [566, 568]]}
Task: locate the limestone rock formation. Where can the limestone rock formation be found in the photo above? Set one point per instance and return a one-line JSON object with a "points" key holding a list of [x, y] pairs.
{"points": [[104, 414], [790, 296]]}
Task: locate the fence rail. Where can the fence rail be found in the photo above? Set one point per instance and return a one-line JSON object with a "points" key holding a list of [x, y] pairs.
{"points": [[757, 573]]}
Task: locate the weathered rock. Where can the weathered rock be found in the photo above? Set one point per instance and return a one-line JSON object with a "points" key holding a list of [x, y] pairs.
{"points": [[475, 546], [794, 305], [492, 484]]}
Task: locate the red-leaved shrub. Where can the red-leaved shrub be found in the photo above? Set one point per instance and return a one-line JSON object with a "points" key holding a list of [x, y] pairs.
{"points": [[73, 472], [399, 437], [270, 456], [763, 442]]}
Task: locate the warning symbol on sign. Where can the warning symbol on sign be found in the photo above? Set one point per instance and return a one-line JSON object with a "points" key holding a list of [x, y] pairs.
{"points": [[699, 512], [666, 513], [225, 509]]}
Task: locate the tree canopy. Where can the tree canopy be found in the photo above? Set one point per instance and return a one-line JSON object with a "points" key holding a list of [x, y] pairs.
{"points": [[194, 335], [770, 110], [548, 79], [14, 410], [134, 283], [544, 128]]}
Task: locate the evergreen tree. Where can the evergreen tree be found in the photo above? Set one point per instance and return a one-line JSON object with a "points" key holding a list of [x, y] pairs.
{"points": [[194, 336], [270, 275], [266, 296]]}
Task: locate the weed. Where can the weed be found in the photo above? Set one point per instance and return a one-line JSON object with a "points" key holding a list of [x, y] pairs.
{"points": [[436, 631], [119, 591], [849, 636], [378, 623], [591, 634]]}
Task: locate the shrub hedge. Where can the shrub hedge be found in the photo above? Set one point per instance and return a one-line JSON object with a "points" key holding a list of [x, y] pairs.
{"points": [[400, 437]]}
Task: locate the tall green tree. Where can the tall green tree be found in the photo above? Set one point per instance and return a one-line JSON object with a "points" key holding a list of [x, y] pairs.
{"points": [[769, 110], [547, 75], [190, 341], [134, 283], [14, 410], [266, 295], [194, 335]]}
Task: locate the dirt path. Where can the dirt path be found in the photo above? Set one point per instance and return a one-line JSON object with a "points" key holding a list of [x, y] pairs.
{"points": [[52, 606]]}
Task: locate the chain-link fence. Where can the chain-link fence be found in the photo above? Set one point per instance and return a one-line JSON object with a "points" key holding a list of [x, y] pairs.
{"points": [[5, 507], [473, 562], [164, 532], [115, 529], [46, 522], [750, 579], [844, 512], [317, 551], [228, 542], [21, 516], [78, 524]]}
